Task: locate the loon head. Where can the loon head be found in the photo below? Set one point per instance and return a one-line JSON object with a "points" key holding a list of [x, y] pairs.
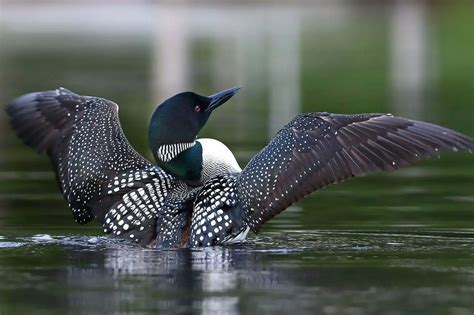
{"points": [[174, 127]]}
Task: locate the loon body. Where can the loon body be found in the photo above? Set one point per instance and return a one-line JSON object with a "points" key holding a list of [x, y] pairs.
{"points": [[197, 195]]}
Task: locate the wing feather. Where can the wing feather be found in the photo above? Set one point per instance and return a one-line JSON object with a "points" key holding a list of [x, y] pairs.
{"points": [[83, 138], [318, 149]]}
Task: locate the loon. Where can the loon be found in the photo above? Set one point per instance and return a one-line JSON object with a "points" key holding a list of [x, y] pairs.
{"points": [[197, 195]]}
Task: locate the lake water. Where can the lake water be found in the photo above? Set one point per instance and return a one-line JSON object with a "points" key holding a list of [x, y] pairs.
{"points": [[399, 243]]}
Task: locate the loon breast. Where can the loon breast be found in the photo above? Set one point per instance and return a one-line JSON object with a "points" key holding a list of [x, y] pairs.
{"points": [[217, 159]]}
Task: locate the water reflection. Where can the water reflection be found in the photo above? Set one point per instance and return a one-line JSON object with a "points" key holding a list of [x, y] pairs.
{"points": [[202, 280], [318, 271]]}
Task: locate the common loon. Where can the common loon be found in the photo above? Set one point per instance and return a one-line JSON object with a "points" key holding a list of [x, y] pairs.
{"points": [[198, 194]]}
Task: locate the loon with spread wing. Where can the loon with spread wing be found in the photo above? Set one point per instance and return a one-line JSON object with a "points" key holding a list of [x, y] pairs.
{"points": [[198, 195]]}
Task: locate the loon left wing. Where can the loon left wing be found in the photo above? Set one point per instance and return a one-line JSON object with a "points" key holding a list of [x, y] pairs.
{"points": [[313, 151], [98, 171]]}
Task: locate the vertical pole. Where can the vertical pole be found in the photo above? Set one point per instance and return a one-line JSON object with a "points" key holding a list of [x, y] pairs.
{"points": [[170, 52], [409, 57], [284, 69]]}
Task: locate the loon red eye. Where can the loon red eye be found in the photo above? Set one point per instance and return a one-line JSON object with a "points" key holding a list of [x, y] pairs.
{"points": [[197, 108]]}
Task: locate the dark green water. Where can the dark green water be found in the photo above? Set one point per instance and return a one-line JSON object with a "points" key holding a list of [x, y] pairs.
{"points": [[400, 243]]}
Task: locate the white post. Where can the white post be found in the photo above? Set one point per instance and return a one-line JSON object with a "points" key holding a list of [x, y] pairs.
{"points": [[250, 74], [170, 53], [409, 57], [1, 61], [284, 69]]}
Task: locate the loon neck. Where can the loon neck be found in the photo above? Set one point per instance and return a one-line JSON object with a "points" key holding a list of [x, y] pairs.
{"points": [[197, 162], [168, 152], [182, 160]]}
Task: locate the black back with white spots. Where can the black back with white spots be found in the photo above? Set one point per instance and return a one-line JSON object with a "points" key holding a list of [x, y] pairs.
{"points": [[217, 217], [313, 151], [96, 167], [174, 219]]}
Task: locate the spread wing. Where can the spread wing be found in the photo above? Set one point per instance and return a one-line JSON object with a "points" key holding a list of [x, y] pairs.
{"points": [[96, 167], [318, 149]]}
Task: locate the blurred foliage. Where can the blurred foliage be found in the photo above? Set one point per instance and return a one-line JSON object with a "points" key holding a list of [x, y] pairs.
{"points": [[454, 31]]}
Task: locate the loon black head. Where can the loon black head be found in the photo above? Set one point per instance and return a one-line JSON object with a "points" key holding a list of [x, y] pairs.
{"points": [[174, 127]]}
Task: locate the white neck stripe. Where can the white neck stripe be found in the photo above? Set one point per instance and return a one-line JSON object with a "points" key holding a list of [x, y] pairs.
{"points": [[167, 152]]}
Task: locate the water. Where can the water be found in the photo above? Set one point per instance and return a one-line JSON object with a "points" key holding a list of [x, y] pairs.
{"points": [[400, 243], [330, 271]]}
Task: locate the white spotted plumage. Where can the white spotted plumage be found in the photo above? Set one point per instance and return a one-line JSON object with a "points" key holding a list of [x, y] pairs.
{"points": [[312, 151], [99, 173]]}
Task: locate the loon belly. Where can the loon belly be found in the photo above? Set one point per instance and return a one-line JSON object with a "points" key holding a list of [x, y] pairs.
{"points": [[217, 159], [239, 238]]}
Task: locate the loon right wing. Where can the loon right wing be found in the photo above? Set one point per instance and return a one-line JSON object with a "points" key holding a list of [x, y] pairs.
{"points": [[318, 149], [98, 171], [313, 151]]}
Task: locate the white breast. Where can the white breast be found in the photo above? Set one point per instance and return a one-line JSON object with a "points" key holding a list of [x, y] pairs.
{"points": [[217, 159]]}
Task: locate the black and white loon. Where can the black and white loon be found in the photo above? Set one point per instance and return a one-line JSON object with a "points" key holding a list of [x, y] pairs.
{"points": [[198, 195]]}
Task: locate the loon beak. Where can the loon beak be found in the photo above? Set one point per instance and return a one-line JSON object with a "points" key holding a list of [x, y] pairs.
{"points": [[215, 100]]}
